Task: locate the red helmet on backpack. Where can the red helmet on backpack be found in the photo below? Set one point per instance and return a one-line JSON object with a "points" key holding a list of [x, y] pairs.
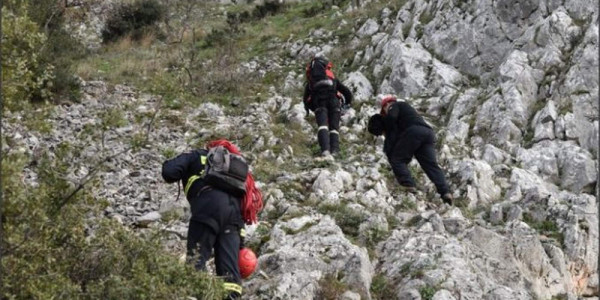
{"points": [[247, 262]]}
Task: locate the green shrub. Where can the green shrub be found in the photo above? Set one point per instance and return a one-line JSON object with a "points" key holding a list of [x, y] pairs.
{"points": [[57, 246], [381, 288], [427, 292], [132, 19], [60, 49], [347, 218], [38, 53], [23, 73]]}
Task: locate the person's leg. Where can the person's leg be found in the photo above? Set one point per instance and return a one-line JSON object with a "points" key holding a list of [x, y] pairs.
{"points": [[323, 128], [402, 154], [426, 157], [334, 126], [200, 241], [227, 249]]}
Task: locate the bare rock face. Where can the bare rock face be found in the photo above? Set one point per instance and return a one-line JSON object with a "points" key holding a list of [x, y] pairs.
{"points": [[481, 188], [87, 20], [360, 86]]}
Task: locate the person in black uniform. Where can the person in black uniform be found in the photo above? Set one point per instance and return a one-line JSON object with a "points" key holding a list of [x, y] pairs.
{"points": [[216, 220], [408, 135], [323, 95]]}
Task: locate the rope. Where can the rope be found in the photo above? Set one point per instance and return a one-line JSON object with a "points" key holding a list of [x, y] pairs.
{"points": [[252, 201]]}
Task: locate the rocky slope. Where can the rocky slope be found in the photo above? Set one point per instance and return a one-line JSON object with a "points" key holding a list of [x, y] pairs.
{"points": [[511, 87]]}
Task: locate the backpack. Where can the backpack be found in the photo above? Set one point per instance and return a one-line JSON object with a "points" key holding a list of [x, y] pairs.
{"points": [[226, 171], [319, 74], [320, 77], [231, 173]]}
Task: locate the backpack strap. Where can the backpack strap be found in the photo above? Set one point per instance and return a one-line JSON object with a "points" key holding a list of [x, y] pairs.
{"points": [[193, 178]]}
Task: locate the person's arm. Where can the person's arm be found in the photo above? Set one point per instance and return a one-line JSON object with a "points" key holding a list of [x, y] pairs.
{"points": [[306, 92], [391, 118], [174, 169], [346, 92], [306, 97]]}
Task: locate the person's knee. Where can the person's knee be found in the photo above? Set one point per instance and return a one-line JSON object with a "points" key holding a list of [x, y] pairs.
{"points": [[395, 160]]}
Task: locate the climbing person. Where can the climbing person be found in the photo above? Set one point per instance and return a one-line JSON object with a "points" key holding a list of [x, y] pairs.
{"points": [[326, 96], [222, 196], [407, 135]]}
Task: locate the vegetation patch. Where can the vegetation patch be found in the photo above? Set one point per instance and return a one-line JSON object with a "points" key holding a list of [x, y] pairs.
{"points": [[546, 227], [263, 232], [347, 218], [305, 227], [427, 292], [132, 19], [37, 54], [382, 288], [53, 251], [331, 286]]}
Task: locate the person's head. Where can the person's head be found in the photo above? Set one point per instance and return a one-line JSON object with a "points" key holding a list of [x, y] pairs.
{"points": [[386, 102], [323, 59]]}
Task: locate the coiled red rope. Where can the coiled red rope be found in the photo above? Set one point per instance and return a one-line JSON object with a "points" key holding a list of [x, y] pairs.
{"points": [[252, 202]]}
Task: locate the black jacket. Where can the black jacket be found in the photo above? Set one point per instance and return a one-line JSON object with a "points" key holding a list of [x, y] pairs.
{"points": [[399, 117], [186, 166], [318, 94]]}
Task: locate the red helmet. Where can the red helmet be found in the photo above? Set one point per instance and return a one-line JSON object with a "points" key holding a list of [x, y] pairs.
{"points": [[385, 101], [247, 262]]}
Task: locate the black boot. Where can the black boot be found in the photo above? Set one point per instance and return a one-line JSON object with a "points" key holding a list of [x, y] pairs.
{"points": [[323, 137], [233, 296], [334, 140]]}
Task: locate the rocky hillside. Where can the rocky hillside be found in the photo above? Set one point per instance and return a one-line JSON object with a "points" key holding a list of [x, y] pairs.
{"points": [[511, 88]]}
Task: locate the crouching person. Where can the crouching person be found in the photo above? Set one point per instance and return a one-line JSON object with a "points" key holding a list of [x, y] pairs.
{"points": [[222, 196], [407, 135]]}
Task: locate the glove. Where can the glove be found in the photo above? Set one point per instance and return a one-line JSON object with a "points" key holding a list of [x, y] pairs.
{"points": [[242, 237], [345, 108]]}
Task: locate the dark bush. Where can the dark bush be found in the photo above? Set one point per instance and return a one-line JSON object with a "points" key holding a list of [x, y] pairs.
{"points": [[133, 19], [266, 9]]}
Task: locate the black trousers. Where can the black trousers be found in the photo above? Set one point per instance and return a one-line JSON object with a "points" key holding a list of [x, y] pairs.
{"points": [[417, 141], [215, 224], [328, 119]]}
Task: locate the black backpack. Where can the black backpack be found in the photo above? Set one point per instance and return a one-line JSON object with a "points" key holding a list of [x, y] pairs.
{"points": [[320, 78], [320, 75], [226, 171]]}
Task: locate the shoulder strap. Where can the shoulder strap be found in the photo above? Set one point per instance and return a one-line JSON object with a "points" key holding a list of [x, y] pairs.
{"points": [[193, 178]]}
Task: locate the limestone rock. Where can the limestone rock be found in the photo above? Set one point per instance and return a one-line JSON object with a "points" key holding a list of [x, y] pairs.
{"points": [[148, 218], [478, 177], [369, 28], [303, 251], [360, 86]]}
